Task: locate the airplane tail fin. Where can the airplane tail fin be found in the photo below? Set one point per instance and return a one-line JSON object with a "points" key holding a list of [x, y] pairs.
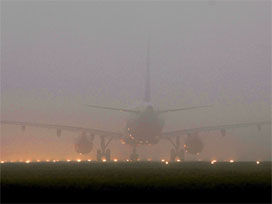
{"points": [[147, 97]]}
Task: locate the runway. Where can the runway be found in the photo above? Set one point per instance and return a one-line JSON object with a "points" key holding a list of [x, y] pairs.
{"points": [[136, 182]]}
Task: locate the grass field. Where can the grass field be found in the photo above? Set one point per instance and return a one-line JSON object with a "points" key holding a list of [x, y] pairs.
{"points": [[136, 182]]}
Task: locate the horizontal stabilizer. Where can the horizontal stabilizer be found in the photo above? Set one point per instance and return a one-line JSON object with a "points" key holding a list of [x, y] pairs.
{"points": [[111, 108], [181, 109]]}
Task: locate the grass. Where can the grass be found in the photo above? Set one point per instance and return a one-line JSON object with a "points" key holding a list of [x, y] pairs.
{"points": [[140, 181]]}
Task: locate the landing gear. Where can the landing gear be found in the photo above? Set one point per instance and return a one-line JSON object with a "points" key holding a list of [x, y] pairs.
{"points": [[134, 156], [108, 155], [99, 155], [103, 152], [172, 155], [181, 155], [176, 152]]}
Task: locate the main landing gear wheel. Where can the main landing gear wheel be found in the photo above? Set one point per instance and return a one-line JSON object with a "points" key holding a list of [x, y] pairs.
{"points": [[104, 153], [181, 155], [172, 155], [177, 154], [108, 155], [177, 151], [99, 155], [134, 157]]}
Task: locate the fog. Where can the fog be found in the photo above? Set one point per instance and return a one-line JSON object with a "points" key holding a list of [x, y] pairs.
{"points": [[58, 56]]}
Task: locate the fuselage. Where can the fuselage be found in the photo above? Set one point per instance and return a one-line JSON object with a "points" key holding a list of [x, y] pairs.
{"points": [[144, 127]]}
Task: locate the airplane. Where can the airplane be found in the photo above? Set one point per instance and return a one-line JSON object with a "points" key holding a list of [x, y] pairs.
{"points": [[144, 127]]}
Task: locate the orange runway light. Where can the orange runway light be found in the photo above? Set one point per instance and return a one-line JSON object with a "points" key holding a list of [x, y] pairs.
{"points": [[166, 162], [78, 160], [27, 161], [2, 162], [163, 160], [68, 160], [104, 160], [89, 160], [115, 160], [231, 161], [178, 160], [213, 161], [257, 162]]}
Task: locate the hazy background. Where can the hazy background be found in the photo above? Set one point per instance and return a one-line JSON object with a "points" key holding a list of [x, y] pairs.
{"points": [[58, 56]]}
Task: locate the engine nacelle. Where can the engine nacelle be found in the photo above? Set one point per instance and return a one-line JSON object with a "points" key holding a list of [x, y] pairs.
{"points": [[193, 144], [83, 145]]}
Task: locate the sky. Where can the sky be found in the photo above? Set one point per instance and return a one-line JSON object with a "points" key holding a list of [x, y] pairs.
{"points": [[57, 56]]}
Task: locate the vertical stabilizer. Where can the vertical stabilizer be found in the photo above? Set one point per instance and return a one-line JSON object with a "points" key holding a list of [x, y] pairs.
{"points": [[147, 96]]}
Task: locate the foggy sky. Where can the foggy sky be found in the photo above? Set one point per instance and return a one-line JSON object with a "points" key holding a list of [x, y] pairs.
{"points": [[58, 56]]}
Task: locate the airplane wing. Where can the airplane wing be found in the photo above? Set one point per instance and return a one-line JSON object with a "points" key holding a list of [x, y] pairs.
{"points": [[181, 109], [110, 108], [222, 129], [60, 128]]}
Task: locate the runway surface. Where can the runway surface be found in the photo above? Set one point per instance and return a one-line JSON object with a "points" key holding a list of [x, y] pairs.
{"points": [[193, 182]]}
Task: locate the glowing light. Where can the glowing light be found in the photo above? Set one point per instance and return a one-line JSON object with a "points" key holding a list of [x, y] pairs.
{"points": [[78, 160], [127, 160], [47, 160], [231, 161], [27, 161], [166, 162], [68, 160], [257, 162], [104, 160], [178, 160], [89, 160], [2, 162], [149, 159], [131, 136], [163, 160], [54, 161], [38, 160], [213, 161], [115, 160]]}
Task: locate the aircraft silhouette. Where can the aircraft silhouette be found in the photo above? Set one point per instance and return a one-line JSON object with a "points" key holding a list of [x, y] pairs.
{"points": [[145, 126]]}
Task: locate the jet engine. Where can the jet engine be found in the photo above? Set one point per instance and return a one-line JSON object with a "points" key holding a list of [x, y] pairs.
{"points": [[193, 144], [83, 144]]}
